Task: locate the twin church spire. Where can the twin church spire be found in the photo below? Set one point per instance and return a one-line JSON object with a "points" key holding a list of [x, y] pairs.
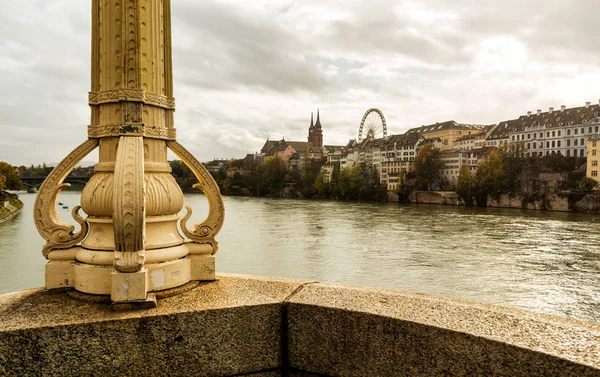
{"points": [[315, 132]]}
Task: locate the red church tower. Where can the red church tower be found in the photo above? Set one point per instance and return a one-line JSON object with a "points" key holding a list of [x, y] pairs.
{"points": [[315, 132]]}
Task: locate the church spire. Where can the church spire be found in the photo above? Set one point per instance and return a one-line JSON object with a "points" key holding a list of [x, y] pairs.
{"points": [[318, 124], [311, 120]]}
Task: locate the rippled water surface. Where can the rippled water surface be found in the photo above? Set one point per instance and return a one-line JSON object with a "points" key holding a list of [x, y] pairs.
{"points": [[543, 261]]}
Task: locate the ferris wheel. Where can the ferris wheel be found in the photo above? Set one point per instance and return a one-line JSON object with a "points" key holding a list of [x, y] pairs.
{"points": [[372, 125]]}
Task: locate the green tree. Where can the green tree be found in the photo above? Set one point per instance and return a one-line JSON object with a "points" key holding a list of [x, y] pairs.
{"points": [[404, 191], [2, 182], [359, 183], [349, 183], [465, 184], [12, 179], [322, 186], [490, 178], [587, 184], [271, 177], [336, 171], [428, 164], [183, 175]]}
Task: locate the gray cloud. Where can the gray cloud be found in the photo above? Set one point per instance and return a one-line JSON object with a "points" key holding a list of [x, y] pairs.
{"points": [[234, 49], [379, 30], [245, 71]]}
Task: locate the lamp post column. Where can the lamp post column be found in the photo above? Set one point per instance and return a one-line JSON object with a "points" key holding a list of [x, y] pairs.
{"points": [[130, 244]]}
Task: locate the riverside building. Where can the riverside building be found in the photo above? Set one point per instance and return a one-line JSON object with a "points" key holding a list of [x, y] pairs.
{"points": [[563, 131], [593, 156], [296, 154], [448, 132]]}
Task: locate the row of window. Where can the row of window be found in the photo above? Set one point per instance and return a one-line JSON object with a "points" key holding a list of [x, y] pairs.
{"points": [[553, 133], [568, 153], [400, 159], [554, 144]]}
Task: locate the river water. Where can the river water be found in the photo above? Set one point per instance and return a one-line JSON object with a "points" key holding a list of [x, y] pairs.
{"points": [[542, 261]]}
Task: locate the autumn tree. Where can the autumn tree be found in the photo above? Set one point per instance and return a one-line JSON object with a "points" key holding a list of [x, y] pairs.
{"points": [[12, 181], [2, 182], [465, 184], [428, 164], [490, 178]]}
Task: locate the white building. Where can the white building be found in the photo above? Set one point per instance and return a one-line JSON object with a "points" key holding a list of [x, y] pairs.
{"points": [[563, 131]]}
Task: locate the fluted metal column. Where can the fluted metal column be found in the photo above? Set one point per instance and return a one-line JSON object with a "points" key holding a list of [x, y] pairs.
{"points": [[133, 245]]}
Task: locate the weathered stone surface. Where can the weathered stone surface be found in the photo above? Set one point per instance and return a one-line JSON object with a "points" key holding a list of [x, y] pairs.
{"points": [[436, 197], [222, 328], [274, 373], [341, 331], [240, 325], [301, 373]]}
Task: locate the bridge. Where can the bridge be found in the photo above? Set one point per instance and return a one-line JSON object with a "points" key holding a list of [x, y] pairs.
{"points": [[33, 183]]}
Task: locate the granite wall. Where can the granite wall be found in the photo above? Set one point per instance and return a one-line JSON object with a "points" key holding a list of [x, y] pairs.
{"points": [[565, 202], [436, 197], [248, 326]]}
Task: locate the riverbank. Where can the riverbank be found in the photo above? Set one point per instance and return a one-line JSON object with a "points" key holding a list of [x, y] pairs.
{"points": [[10, 206], [579, 202], [562, 201]]}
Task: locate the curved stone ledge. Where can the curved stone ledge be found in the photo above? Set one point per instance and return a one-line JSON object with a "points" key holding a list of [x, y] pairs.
{"points": [[12, 214], [243, 325]]}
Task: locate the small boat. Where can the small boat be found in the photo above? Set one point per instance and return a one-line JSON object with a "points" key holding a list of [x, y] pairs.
{"points": [[60, 203], [65, 207]]}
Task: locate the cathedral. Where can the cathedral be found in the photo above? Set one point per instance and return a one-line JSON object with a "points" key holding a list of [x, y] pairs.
{"points": [[297, 153]]}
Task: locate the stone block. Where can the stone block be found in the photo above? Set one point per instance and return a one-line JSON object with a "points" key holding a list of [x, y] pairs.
{"points": [[59, 274], [167, 275], [130, 286], [202, 267], [229, 327], [92, 279], [273, 373], [261, 327], [301, 373], [343, 331]]}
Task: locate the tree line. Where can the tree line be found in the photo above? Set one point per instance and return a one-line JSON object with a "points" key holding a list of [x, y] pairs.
{"points": [[502, 171], [274, 179]]}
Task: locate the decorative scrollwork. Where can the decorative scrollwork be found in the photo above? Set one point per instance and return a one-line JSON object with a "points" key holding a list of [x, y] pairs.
{"points": [[117, 130], [113, 96], [129, 217], [205, 231], [57, 234]]}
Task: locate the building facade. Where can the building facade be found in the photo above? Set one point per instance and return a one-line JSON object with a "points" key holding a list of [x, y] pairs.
{"points": [[447, 131], [593, 156], [563, 131]]}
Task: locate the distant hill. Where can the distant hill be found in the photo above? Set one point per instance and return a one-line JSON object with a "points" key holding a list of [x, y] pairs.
{"points": [[83, 164]]}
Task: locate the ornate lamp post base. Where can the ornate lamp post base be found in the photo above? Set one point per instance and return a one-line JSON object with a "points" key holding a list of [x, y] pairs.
{"points": [[129, 244]]}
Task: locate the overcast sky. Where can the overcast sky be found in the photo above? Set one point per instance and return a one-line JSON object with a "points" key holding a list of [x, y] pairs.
{"points": [[247, 70]]}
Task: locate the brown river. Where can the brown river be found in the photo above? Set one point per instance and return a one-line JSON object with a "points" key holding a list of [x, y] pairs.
{"points": [[541, 261]]}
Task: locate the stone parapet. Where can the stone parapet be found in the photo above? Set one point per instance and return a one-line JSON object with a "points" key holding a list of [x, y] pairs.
{"points": [[253, 326]]}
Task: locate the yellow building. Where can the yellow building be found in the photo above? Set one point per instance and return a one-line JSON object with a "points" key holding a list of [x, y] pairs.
{"points": [[447, 131], [593, 156]]}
